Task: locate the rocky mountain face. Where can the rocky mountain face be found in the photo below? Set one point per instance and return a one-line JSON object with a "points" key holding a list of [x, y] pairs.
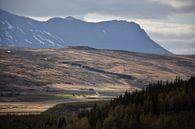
{"points": [[21, 31]]}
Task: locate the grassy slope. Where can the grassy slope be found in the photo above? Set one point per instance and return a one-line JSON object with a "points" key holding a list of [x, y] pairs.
{"points": [[40, 75]]}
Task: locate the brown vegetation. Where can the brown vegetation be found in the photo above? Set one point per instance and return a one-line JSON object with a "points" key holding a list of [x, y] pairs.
{"points": [[37, 75]]}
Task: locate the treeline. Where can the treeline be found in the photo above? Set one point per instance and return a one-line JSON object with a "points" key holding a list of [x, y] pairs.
{"points": [[169, 105]]}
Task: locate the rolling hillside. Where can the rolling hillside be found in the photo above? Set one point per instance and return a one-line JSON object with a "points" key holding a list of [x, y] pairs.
{"points": [[36, 75]]}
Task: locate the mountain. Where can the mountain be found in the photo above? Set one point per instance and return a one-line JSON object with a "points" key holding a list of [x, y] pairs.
{"points": [[57, 32]]}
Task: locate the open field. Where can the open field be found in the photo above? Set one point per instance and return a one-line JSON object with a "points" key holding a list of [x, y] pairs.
{"points": [[32, 80]]}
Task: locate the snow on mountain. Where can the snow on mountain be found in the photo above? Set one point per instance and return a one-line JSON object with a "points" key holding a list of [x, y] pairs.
{"points": [[57, 32]]}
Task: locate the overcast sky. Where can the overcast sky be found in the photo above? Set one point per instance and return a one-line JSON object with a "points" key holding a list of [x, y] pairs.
{"points": [[171, 23]]}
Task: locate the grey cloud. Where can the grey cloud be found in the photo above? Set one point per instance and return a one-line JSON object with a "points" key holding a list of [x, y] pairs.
{"points": [[176, 43], [127, 8], [173, 36], [185, 6], [179, 47]]}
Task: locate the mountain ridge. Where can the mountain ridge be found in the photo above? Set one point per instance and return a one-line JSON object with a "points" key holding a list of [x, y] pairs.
{"points": [[58, 32]]}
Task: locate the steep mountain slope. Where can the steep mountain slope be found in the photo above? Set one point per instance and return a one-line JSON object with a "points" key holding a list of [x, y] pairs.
{"points": [[58, 32]]}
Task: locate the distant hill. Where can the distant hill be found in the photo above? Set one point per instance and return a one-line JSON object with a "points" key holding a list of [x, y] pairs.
{"points": [[21, 31]]}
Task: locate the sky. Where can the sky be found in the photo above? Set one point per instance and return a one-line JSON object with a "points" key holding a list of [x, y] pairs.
{"points": [[171, 23]]}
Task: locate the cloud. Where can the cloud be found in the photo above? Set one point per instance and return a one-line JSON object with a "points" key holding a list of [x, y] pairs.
{"points": [[178, 4], [177, 38], [185, 51], [179, 47], [150, 9], [168, 31]]}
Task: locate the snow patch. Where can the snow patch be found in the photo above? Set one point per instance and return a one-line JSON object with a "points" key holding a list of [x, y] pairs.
{"points": [[104, 31], [36, 38], [47, 36], [26, 40], [48, 33], [59, 45], [2, 22], [54, 37], [20, 29], [38, 31], [60, 39], [51, 42], [29, 23], [46, 39], [9, 25], [8, 35]]}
